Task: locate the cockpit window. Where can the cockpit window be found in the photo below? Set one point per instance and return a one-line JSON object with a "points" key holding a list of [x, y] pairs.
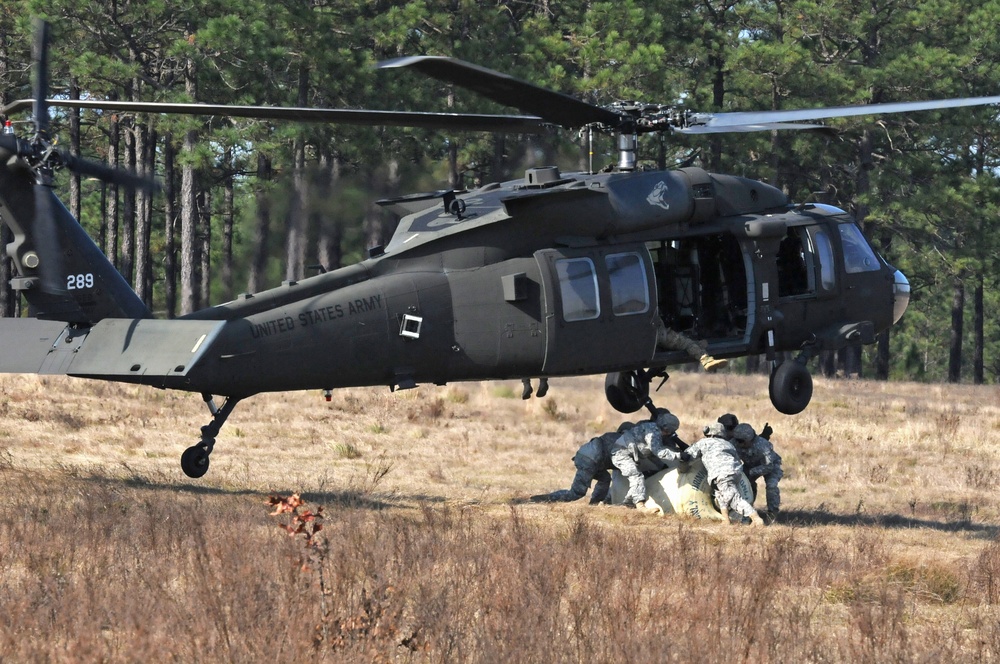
{"points": [[858, 254], [629, 287], [578, 287]]}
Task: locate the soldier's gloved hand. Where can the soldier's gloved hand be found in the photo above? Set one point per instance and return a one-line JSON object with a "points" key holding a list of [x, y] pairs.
{"points": [[685, 457], [766, 431]]}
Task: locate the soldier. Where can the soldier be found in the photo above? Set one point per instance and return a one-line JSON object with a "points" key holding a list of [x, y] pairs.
{"points": [[761, 460], [728, 422], [593, 462], [645, 442], [674, 340], [723, 464]]}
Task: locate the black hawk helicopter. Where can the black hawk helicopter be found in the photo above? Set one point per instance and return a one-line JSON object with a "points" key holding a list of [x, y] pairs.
{"points": [[554, 274]]}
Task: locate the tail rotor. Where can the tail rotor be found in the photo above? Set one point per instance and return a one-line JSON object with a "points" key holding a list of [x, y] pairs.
{"points": [[45, 158]]}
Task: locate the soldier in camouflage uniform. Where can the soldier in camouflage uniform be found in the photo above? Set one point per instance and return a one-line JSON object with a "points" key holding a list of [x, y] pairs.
{"points": [[645, 442], [723, 464], [674, 340], [728, 422], [593, 462], [761, 460]]}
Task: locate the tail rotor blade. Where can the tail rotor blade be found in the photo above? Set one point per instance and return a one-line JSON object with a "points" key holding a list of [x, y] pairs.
{"points": [[119, 176]]}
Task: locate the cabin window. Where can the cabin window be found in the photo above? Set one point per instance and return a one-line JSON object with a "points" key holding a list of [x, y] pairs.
{"points": [[629, 287], [578, 287], [795, 264], [858, 254], [806, 261]]}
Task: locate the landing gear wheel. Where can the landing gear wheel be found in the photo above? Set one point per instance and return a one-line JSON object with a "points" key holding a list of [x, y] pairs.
{"points": [[194, 461], [791, 387], [627, 391]]}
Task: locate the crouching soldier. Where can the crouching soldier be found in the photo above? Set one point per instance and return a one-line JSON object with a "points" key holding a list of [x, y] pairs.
{"points": [[760, 460], [644, 442], [593, 462], [723, 464]]}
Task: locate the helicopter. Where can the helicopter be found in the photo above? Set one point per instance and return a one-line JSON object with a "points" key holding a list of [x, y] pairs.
{"points": [[552, 274]]}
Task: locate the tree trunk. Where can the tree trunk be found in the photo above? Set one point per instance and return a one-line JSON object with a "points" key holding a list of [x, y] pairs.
{"points": [[74, 149], [329, 226], [295, 265], [828, 363], [979, 322], [189, 224], [111, 197], [144, 221], [205, 253], [262, 227], [228, 212], [375, 229], [189, 211], [882, 356], [957, 321], [127, 228], [170, 228], [295, 243]]}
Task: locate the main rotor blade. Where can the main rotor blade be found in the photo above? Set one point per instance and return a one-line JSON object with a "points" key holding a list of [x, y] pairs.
{"points": [[553, 106], [719, 120], [40, 78], [516, 124], [46, 242], [746, 128]]}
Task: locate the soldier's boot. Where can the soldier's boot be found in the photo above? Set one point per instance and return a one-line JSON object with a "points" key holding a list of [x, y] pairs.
{"points": [[756, 520], [649, 507], [773, 499], [711, 364]]}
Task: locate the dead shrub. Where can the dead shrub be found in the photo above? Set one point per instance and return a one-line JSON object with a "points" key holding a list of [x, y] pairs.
{"points": [[985, 573], [980, 477]]}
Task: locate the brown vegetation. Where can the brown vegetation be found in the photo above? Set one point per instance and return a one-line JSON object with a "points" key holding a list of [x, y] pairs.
{"points": [[428, 551]]}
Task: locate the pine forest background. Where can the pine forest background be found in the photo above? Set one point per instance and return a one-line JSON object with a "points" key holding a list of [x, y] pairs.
{"points": [[247, 204]]}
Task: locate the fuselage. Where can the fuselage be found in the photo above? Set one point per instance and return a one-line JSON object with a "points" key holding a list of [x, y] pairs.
{"points": [[548, 275]]}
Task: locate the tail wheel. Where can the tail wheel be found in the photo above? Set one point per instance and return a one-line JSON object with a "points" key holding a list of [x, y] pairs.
{"points": [[791, 387], [627, 391], [194, 461]]}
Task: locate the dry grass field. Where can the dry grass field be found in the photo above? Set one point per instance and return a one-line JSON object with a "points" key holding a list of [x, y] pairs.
{"points": [[887, 548]]}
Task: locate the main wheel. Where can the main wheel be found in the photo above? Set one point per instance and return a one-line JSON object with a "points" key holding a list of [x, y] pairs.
{"points": [[194, 461], [791, 387], [626, 391]]}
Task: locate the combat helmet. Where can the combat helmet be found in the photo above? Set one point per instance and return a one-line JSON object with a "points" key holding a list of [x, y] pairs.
{"points": [[744, 433], [715, 430], [668, 421]]}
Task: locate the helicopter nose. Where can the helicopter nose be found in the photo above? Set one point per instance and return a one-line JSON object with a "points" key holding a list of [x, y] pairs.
{"points": [[900, 295]]}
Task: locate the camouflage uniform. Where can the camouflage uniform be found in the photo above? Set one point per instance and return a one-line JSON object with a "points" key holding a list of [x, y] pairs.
{"points": [[759, 457], [644, 442], [593, 462], [674, 340], [723, 464]]}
